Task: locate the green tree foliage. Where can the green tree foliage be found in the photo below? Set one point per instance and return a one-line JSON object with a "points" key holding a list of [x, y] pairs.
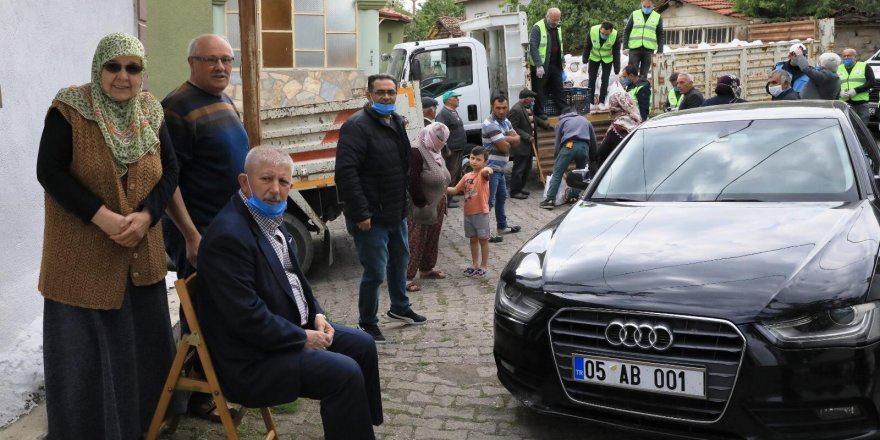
{"points": [[789, 9], [427, 15], [578, 16]]}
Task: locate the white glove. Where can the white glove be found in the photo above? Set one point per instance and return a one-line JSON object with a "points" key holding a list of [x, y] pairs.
{"points": [[849, 93], [540, 71], [626, 52]]}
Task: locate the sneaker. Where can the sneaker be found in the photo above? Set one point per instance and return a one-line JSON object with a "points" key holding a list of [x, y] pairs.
{"points": [[509, 230], [410, 317], [519, 195], [525, 192], [496, 239], [547, 204], [373, 330]]}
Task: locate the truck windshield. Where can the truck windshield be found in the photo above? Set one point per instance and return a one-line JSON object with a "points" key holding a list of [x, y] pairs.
{"points": [[395, 68], [758, 160]]}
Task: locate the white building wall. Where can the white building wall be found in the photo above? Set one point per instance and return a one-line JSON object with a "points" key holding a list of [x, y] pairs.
{"points": [[479, 8], [44, 46]]}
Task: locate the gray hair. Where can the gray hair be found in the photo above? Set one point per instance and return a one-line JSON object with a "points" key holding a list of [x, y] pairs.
{"points": [[829, 61], [193, 48], [688, 76], [266, 155], [783, 75]]}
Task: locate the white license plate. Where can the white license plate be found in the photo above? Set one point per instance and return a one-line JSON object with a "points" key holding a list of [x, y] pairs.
{"points": [[643, 376]]}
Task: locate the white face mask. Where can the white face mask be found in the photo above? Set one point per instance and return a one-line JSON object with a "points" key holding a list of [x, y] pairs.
{"points": [[775, 90]]}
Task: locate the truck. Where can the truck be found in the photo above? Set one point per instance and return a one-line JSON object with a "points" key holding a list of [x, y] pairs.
{"points": [[492, 59]]}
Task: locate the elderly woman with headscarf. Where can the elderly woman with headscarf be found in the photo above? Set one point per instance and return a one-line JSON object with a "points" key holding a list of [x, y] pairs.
{"points": [[429, 179], [727, 91], [625, 118], [108, 173]]}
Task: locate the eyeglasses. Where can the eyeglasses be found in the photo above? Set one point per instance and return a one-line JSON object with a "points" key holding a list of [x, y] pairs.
{"points": [[226, 60], [131, 69], [384, 92]]}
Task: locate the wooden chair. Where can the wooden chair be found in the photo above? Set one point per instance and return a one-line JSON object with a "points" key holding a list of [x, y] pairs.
{"points": [[193, 344]]}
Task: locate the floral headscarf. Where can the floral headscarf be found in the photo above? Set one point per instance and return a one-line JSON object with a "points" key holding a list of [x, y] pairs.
{"points": [[434, 137], [625, 116], [130, 128]]}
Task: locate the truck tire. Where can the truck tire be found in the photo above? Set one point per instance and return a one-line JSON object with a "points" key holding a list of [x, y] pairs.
{"points": [[305, 246]]}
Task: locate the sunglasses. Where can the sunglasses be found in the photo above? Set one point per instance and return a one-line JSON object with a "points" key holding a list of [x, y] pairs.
{"points": [[131, 69]]}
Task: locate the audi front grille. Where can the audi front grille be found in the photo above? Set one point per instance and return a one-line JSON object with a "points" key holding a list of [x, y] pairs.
{"points": [[711, 344]]}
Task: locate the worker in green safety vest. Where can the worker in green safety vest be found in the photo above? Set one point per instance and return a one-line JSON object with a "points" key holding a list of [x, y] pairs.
{"points": [[856, 80], [673, 97], [638, 88], [601, 50], [546, 63], [643, 35]]}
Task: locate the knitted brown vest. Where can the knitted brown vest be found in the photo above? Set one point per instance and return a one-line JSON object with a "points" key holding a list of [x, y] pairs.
{"points": [[435, 179], [81, 266]]}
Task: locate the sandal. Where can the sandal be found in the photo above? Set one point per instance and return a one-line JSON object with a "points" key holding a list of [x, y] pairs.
{"points": [[480, 272], [207, 409], [411, 286], [432, 274], [469, 272]]}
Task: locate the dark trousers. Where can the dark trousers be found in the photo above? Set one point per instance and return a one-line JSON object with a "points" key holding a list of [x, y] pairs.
{"points": [[548, 88], [522, 167], [593, 71], [641, 59]]}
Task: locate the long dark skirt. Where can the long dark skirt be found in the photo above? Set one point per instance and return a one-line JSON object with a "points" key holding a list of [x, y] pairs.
{"points": [[105, 368]]}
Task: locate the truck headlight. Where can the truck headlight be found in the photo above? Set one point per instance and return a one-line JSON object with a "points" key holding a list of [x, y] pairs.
{"points": [[510, 300], [847, 326]]}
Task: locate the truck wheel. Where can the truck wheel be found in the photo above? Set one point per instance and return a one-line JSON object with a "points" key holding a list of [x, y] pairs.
{"points": [[305, 246]]}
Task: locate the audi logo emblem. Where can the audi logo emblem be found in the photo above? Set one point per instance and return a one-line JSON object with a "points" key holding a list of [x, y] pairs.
{"points": [[645, 336]]}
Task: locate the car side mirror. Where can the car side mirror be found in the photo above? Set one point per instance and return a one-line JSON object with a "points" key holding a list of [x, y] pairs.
{"points": [[578, 179]]}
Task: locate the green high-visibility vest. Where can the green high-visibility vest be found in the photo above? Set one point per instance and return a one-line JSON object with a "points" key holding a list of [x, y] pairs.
{"points": [[673, 100], [644, 33], [853, 79], [602, 52], [635, 91], [542, 46]]}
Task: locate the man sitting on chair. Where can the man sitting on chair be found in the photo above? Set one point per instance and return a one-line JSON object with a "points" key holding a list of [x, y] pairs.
{"points": [[269, 341]]}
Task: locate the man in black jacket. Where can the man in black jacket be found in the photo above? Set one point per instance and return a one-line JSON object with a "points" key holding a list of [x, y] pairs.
{"points": [[691, 97], [779, 86], [372, 172], [522, 152]]}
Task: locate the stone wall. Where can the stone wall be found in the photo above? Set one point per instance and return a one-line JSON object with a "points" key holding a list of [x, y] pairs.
{"points": [[295, 87], [865, 38]]}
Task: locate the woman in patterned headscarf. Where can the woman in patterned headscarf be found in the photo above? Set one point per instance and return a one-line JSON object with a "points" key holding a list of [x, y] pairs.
{"points": [[429, 178], [108, 173], [625, 117]]}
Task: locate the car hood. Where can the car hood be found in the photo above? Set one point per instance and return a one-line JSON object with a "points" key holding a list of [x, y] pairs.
{"points": [[739, 261]]}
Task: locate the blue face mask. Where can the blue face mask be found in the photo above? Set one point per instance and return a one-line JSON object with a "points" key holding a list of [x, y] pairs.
{"points": [[647, 11], [602, 36], [677, 89], [532, 104], [627, 82], [384, 109], [267, 209], [848, 62]]}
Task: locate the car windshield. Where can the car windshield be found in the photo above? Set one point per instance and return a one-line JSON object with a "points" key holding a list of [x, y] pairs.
{"points": [[758, 160]]}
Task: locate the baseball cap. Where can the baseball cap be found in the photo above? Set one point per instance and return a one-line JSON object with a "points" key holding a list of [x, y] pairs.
{"points": [[526, 93], [448, 95], [428, 102]]}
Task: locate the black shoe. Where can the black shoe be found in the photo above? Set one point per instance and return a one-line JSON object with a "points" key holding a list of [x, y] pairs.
{"points": [[525, 192], [373, 330], [410, 317], [548, 204], [519, 196], [496, 239], [509, 230]]}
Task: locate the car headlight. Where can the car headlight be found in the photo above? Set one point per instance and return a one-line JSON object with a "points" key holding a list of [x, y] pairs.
{"points": [[510, 300], [844, 326]]}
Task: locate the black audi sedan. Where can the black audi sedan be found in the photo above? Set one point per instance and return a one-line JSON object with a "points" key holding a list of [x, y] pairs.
{"points": [[718, 279]]}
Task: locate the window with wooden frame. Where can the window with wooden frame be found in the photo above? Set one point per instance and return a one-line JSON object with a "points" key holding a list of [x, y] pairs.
{"points": [[307, 34]]}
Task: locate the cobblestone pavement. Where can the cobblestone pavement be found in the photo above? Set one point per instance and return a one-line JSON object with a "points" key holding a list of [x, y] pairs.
{"points": [[438, 380]]}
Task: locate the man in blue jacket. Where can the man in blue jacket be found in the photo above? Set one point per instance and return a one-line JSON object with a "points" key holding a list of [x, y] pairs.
{"points": [[575, 142], [270, 341]]}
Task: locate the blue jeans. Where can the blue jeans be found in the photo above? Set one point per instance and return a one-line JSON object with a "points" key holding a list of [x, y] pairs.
{"points": [[577, 154], [383, 250], [498, 197]]}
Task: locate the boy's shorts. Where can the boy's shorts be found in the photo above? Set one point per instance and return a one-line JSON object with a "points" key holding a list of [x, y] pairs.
{"points": [[477, 225]]}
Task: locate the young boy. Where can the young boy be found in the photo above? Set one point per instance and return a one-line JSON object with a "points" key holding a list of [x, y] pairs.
{"points": [[475, 186]]}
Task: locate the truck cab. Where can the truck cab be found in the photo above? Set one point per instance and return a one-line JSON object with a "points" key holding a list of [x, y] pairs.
{"points": [[491, 61]]}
